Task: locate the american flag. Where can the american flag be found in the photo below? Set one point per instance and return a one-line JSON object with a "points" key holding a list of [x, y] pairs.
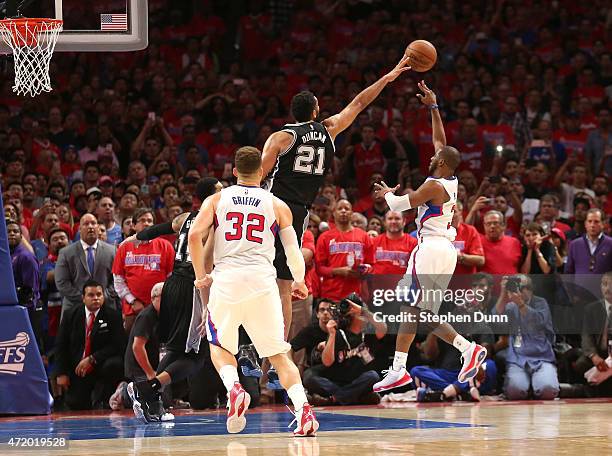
{"points": [[113, 21]]}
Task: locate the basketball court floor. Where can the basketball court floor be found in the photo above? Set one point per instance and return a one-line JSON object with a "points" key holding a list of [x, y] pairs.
{"points": [[582, 427]]}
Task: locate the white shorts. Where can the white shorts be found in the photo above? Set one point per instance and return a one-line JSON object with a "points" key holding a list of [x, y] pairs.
{"points": [[430, 269], [233, 303]]}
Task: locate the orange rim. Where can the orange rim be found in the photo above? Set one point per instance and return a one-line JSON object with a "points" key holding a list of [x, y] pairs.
{"points": [[25, 30]]}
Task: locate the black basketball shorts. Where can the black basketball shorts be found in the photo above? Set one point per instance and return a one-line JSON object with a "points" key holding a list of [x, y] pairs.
{"points": [[300, 223]]}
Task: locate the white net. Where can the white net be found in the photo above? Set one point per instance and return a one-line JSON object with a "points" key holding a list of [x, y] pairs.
{"points": [[32, 42]]}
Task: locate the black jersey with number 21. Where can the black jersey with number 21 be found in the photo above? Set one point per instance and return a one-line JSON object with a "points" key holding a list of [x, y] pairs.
{"points": [[300, 171], [182, 258]]}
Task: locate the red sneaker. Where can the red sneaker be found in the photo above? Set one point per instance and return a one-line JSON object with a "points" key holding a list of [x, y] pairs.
{"points": [[237, 405], [472, 358], [307, 422]]}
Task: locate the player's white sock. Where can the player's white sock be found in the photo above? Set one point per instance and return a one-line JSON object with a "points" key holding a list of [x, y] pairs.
{"points": [[229, 376], [399, 360], [461, 343], [450, 391], [297, 395]]}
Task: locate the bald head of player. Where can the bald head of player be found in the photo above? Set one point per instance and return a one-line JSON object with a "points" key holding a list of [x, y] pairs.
{"points": [[247, 166], [444, 162], [304, 106]]}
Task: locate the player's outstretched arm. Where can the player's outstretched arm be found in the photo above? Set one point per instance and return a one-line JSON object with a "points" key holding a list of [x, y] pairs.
{"points": [[161, 229], [295, 259], [197, 231], [341, 121], [428, 191], [275, 144], [428, 98]]}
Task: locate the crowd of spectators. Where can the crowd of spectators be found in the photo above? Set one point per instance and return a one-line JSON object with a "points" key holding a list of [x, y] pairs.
{"points": [[525, 90]]}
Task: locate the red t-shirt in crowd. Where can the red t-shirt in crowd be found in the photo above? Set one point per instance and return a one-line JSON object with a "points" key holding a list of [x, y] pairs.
{"points": [[562, 226], [334, 249], [363, 204], [219, 155], [252, 36], [391, 255], [367, 162], [423, 140], [142, 267], [473, 157], [498, 134], [311, 278], [501, 257], [467, 241], [573, 142]]}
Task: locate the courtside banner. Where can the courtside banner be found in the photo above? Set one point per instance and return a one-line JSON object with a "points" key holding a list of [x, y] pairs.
{"points": [[8, 295], [23, 382]]}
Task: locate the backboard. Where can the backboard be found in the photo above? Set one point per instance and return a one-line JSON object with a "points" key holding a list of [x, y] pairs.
{"points": [[94, 25]]}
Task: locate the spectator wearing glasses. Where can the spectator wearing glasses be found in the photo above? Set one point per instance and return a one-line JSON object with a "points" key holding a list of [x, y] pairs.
{"points": [[312, 338], [502, 253], [549, 213], [591, 253]]}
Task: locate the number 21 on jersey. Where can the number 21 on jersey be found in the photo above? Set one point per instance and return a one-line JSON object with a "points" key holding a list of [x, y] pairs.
{"points": [[305, 158]]}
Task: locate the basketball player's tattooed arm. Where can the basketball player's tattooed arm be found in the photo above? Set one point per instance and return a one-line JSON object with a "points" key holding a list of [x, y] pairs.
{"points": [[197, 232], [430, 191], [428, 98], [275, 144], [178, 221], [341, 121]]}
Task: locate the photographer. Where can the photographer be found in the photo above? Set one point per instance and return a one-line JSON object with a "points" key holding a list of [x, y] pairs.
{"points": [[348, 372], [530, 358], [312, 338]]}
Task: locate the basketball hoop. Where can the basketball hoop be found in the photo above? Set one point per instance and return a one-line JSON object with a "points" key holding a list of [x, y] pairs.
{"points": [[32, 42]]}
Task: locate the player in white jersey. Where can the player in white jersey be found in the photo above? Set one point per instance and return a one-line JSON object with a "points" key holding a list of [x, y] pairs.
{"points": [[433, 261], [243, 289]]}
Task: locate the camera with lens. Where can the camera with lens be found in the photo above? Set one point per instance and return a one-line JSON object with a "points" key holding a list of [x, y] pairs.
{"points": [[25, 296], [340, 311], [513, 284]]}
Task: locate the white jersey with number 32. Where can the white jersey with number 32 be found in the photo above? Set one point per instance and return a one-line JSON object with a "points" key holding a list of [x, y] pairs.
{"points": [[435, 221], [245, 230]]}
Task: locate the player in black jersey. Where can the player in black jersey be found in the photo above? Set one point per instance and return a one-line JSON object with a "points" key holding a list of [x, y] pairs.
{"points": [[180, 314], [297, 158]]}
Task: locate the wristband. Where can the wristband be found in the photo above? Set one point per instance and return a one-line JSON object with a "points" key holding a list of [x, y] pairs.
{"points": [[397, 203], [433, 106]]}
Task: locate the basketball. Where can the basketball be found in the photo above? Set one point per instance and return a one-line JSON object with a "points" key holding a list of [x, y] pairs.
{"points": [[422, 54]]}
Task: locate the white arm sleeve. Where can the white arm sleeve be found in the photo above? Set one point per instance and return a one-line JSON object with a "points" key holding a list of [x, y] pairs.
{"points": [[295, 260], [398, 203], [122, 289]]}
